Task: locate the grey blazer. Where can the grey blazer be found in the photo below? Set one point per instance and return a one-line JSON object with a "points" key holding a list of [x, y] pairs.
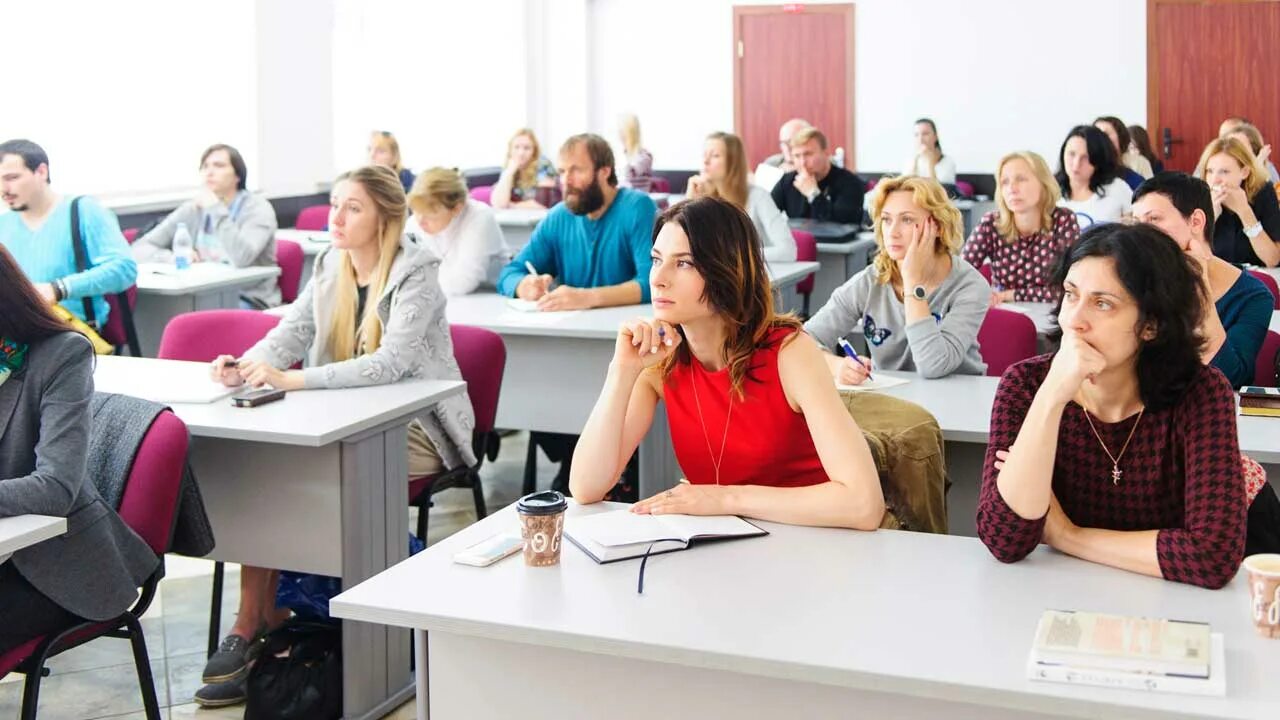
{"points": [[94, 570]]}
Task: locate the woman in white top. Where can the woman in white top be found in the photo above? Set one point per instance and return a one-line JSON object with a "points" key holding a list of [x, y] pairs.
{"points": [[724, 175], [1087, 176], [462, 232], [929, 162]]}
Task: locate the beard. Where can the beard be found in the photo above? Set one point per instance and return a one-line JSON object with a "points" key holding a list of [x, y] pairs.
{"points": [[587, 200]]}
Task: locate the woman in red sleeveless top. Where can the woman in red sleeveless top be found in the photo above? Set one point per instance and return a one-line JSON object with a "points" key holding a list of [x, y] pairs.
{"points": [[756, 421]]}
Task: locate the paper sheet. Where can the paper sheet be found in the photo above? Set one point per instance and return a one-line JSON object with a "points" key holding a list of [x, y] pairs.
{"points": [[880, 382]]}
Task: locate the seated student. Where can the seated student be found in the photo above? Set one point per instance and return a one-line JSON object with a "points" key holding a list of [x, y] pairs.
{"points": [[1246, 228], [227, 223], [918, 304], [1142, 144], [929, 162], [1235, 322], [724, 175], [524, 172], [637, 170], [1087, 178], [1027, 234], [1134, 168], [462, 232], [782, 159], [46, 382], [372, 314], [384, 150], [1249, 134], [38, 234], [797, 455], [816, 188], [1121, 447]]}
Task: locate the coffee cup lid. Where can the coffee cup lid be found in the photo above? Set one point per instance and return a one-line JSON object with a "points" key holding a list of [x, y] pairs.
{"points": [[547, 502]]}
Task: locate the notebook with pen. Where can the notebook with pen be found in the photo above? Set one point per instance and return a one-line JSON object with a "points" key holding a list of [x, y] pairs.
{"points": [[621, 534]]}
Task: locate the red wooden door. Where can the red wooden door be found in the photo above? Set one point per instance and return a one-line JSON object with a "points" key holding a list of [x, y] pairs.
{"points": [[792, 61], [1205, 61]]}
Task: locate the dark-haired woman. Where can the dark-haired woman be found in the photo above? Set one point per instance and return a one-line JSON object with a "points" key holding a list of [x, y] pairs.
{"points": [[1133, 167], [756, 422], [1088, 178], [929, 162], [46, 381], [1120, 448], [1142, 145]]}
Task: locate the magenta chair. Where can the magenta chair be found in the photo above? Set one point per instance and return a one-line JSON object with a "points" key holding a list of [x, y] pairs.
{"points": [[313, 217], [1271, 284], [120, 330], [484, 194], [482, 358], [130, 234], [1264, 370], [1006, 337], [289, 258], [202, 336], [806, 251], [149, 506], [985, 271], [660, 184]]}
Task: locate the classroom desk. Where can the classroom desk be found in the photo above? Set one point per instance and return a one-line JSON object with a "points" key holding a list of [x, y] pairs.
{"points": [[316, 483], [22, 531], [805, 622], [517, 225], [164, 292], [971, 211], [312, 242], [840, 261]]}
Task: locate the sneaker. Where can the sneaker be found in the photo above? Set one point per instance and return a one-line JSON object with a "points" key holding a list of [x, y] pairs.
{"points": [[222, 694], [231, 662]]}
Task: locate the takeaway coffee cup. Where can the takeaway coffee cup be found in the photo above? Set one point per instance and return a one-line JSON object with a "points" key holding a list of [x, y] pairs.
{"points": [[1264, 593], [542, 526]]}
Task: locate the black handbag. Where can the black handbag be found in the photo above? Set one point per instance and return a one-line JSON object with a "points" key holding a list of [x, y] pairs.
{"points": [[298, 674]]}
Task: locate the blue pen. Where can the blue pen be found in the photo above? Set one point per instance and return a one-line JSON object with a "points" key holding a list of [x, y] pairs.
{"points": [[848, 350]]}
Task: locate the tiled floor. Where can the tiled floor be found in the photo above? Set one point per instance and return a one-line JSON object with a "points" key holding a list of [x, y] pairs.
{"points": [[97, 680]]}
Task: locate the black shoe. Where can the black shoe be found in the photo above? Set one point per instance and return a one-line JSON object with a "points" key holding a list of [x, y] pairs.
{"points": [[222, 694], [231, 662]]}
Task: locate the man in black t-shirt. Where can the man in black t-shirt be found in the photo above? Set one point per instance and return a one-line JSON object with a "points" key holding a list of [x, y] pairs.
{"points": [[817, 189]]}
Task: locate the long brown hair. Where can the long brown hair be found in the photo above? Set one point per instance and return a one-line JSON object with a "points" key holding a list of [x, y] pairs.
{"points": [[726, 252], [26, 317], [734, 187]]}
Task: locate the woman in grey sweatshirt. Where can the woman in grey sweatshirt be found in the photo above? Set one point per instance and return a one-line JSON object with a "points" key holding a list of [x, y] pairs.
{"points": [[919, 304]]}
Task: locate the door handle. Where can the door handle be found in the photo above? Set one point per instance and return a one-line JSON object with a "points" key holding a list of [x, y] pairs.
{"points": [[1167, 141]]}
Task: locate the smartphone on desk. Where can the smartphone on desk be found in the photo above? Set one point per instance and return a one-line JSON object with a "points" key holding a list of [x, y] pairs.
{"points": [[254, 398], [491, 550]]}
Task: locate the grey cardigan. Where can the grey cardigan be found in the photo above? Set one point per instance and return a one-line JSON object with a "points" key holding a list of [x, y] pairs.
{"points": [[248, 239], [94, 570], [415, 342], [944, 344]]}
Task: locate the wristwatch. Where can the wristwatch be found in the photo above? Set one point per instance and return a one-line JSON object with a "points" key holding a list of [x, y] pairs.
{"points": [[918, 292], [1253, 230]]}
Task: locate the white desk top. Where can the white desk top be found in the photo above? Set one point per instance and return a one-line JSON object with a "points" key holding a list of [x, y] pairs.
{"points": [[164, 279], [519, 217], [310, 418], [312, 241], [786, 273], [896, 612], [22, 531], [490, 311], [825, 229], [855, 244], [1275, 321]]}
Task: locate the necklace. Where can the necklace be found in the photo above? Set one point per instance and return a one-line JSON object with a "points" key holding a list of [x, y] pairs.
{"points": [[715, 461], [1115, 459]]}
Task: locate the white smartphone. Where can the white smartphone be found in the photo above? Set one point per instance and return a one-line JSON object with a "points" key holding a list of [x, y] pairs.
{"points": [[491, 550]]}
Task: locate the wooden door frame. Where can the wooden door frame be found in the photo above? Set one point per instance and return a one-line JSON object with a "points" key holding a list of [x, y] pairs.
{"points": [[847, 135]]}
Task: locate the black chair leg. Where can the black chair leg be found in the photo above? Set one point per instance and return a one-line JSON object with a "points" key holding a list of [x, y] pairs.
{"points": [[531, 465], [31, 693], [477, 492], [215, 610], [424, 513], [146, 682]]}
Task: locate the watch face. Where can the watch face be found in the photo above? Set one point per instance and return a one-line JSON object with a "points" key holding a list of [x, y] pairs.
{"points": [[919, 292]]}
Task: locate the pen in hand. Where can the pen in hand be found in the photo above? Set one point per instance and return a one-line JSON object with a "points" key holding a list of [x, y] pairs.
{"points": [[848, 350]]}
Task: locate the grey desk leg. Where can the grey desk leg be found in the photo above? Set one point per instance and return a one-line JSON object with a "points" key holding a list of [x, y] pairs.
{"points": [[375, 532], [423, 702], [658, 467]]}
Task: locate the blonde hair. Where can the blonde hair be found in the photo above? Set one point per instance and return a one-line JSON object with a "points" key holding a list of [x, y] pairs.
{"points": [[1251, 132], [629, 129], [1049, 194], [805, 135], [345, 340], [928, 194], [437, 188], [384, 140], [527, 176], [1239, 152], [734, 187]]}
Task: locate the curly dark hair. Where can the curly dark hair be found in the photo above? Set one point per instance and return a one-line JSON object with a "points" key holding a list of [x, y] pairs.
{"points": [[1166, 285]]}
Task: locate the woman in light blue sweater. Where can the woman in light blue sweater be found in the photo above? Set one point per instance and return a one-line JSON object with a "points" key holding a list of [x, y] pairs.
{"points": [[919, 304]]}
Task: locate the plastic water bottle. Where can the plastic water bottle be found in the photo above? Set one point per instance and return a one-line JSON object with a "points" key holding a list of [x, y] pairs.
{"points": [[183, 247]]}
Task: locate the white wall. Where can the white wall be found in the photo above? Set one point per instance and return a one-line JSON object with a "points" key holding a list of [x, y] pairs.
{"points": [[994, 74], [295, 95]]}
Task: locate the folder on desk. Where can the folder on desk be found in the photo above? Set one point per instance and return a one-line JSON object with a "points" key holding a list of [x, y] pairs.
{"points": [[622, 535]]}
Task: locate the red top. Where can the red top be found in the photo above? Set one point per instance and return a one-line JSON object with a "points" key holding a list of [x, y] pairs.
{"points": [[768, 443]]}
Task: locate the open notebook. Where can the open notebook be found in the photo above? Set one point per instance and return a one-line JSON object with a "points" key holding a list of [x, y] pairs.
{"points": [[622, 534]]}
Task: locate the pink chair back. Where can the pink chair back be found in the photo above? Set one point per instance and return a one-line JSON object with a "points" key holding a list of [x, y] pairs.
{"points": [[806, 251], [130, 234], [314, 217], [1271, 284], [289, 258], [659, 185], [203, 335], [114, 331], [1006, 337], [985, 269], [964, 189], [151, 493], [1264, 370], [482, 358], [484, 194]]}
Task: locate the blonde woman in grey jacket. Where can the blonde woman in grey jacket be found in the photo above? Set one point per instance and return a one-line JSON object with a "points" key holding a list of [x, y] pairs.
{"points": [[372, 314]]}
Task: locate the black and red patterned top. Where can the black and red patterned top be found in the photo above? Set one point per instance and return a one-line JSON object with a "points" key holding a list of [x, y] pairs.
{"points": [[1025, 265], [1181, 475]]}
